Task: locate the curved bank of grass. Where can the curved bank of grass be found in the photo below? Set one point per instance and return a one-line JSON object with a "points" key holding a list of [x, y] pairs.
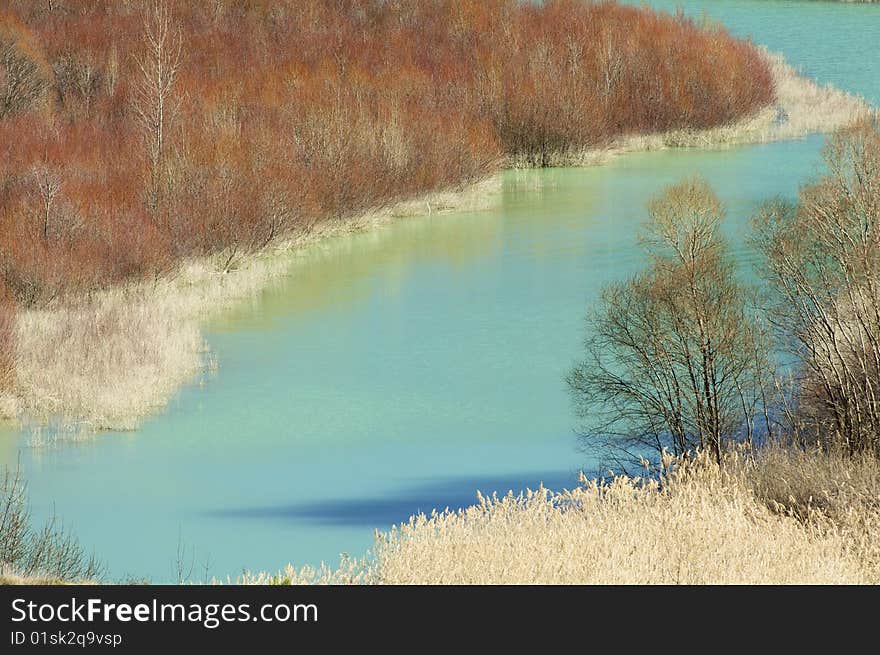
{"points": [[778, 516], [774, 516]]}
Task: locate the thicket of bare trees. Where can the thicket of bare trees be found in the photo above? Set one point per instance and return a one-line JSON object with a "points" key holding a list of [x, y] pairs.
{"points": [[134, 134], [574, 74], [679, 356], [137, 133], [823, 257], [24, 74], [676, 359]]}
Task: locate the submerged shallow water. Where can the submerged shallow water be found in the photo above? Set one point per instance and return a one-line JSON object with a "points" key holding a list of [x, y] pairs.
{"points": [[404, 368]]}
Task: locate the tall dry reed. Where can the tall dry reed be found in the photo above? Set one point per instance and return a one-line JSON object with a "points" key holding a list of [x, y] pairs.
{"points": [[776, 517]]}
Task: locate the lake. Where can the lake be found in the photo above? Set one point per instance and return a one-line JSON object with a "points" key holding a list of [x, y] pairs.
{"points": [[402, 369]]}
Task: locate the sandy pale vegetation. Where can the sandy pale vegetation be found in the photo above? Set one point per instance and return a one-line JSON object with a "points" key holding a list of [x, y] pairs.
{"points": [[780, 517], [108, 360], [777, 515]]}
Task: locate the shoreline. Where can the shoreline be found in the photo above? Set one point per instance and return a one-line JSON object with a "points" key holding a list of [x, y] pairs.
{"points": [[109, 360], [753, 520], [769, 515], [143, 340], [802, 107]]}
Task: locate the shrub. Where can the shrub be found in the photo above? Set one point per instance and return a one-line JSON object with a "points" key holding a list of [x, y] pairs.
{"points": [[25, 75], [37, 551]]}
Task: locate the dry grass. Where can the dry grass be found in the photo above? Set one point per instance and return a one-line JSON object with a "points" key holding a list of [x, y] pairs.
{"points": [[780, 517], [776, 516], [11, 578], [834, 492], [802, 107], [108, 360]]}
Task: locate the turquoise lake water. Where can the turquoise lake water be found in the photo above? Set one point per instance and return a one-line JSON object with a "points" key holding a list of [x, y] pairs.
{"points": [[404, 368]]}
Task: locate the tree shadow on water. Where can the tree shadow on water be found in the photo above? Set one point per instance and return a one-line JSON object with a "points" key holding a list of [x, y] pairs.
{"points": [[389, 509]]}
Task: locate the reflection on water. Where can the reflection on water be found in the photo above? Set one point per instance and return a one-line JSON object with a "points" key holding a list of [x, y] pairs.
{"points": [[402, 369], [334, 275]]}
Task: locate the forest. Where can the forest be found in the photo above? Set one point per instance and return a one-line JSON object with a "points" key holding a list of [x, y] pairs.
{"points": [[135, 135]]}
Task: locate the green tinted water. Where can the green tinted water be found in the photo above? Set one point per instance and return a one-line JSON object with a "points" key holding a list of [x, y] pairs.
{"points": [[404, 368]]}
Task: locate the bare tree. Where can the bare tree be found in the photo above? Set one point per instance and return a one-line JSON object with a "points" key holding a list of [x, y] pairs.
{"points": [[111, 77], [823, 262], [158, 65], [610, 62], [30, 550], [676, 359], [47, 183]]}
